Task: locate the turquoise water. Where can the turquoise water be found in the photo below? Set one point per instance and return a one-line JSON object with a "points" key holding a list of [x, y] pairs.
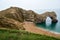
{"points": [[51, 26]]}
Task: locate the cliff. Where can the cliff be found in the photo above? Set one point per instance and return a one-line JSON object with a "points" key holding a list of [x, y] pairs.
{"points": [[14, 17]]}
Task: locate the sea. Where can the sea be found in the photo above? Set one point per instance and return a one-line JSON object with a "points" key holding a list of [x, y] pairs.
{"points": [[53, 27]]}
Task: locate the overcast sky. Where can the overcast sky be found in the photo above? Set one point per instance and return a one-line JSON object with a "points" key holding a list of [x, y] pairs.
{"points": [[31, 4]]}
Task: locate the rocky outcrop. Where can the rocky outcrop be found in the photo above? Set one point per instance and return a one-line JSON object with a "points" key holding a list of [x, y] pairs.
{"points": [[52, 15], [42, 17], [30, 16], [13, 13], [14, 16], [11, 24]]}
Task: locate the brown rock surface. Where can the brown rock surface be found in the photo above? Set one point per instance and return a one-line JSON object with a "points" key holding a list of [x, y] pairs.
{"points": [[21, 15], [10, 23]]}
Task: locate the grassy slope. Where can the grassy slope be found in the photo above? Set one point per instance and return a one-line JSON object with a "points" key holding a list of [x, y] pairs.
{"points": [[22, 35]]}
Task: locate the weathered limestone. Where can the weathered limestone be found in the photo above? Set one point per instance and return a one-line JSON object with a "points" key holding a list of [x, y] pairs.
{"points": [[52, 15], [30, 16], [21, 15], [42, 17], [11, 24], [13, 13]]}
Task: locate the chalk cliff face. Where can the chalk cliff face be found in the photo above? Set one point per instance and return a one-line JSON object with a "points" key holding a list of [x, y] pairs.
{"points": [[14, 16]]}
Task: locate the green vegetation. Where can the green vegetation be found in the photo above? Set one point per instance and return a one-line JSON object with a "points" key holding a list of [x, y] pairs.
{"points": [[22, 35]]}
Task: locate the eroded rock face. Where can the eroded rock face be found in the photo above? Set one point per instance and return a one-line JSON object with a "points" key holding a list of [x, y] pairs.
{"points": [[10, 23], [11, 15], [52, 15], [42, 17], [30, 16]]}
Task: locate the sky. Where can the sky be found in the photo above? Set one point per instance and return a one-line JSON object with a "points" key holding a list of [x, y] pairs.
{"points": [[30, 4]]}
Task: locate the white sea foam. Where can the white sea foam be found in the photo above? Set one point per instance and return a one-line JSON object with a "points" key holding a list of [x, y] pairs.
{"points": [[50, 31], [55, 32]]}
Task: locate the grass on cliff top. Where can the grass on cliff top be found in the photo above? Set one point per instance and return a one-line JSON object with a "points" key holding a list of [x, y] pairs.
{"points": [[22, 35]]}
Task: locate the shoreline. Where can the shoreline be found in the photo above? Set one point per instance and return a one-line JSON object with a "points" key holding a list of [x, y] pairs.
{"points": [[31, 27], [49, 30]]}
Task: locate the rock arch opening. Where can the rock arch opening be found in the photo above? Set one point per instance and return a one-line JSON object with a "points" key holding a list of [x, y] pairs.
{"points": [[42, 17]]}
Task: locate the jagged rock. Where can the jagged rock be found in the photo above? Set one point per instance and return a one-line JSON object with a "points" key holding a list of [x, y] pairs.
{"points": [[30, 16], [52, 15], [10, 23], [14, 14], [42, 17]]}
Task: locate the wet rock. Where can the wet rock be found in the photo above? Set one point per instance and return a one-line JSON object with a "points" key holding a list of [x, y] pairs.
{"points": [[55, 21]]}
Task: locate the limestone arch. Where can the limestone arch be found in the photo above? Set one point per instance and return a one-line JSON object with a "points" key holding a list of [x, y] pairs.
{"points": [[52, 15]]}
